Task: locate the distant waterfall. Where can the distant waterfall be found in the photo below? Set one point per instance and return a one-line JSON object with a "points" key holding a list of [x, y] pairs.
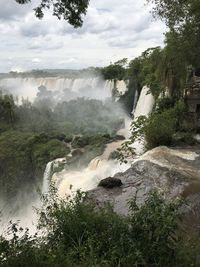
{"points": [[135, 101], [94, 87], [47, 178]]}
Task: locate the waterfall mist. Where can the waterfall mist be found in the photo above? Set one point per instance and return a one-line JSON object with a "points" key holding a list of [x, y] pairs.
{"points": [[60, 89]]}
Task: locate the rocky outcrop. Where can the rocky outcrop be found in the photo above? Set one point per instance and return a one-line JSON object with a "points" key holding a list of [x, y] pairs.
{"points": [[174, 172]]}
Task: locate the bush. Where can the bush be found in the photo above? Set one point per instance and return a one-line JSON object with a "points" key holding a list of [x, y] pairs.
{"points": [[79, 234], [164, 103], [23, 158], [160, 129], [156, 130]]}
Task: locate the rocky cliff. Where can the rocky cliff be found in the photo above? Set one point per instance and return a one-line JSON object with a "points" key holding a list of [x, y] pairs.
{"points": [[174, 172]]}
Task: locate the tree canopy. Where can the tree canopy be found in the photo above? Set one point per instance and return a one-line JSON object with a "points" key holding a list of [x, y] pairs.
{"points": [[183, 19], [69, 10]]}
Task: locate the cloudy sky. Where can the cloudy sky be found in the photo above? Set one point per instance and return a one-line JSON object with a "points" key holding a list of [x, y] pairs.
{"points": [[113, 29]]}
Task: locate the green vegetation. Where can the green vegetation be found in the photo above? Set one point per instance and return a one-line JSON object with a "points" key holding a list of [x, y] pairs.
{"points": [[115, 71], [182, 18], [79, 234], [23, 157], [165, 126]]}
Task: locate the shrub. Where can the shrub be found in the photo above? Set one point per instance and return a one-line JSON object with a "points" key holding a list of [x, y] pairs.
{"points": [[164, 103], [79, 234], [160, 129]]}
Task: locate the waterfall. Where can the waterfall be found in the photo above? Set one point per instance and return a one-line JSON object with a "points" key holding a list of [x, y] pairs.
{"points": [[144, 107], [94, 87], [135, 101], [100, 167], [121, 86], [145, 103], [93, 165], [47, 177]]}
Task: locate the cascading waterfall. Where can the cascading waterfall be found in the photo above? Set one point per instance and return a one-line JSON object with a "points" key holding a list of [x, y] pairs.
{"points": [[144, 107], [145, 103], [121, 86], [135, 101], [47, 177], [94, 87], [101, 167]]}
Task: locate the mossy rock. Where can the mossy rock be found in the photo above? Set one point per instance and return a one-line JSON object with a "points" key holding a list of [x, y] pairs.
{"points": [[110, 182]]}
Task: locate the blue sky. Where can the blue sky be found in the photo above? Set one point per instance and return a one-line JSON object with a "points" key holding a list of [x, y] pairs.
{"points": [[112, 30]]}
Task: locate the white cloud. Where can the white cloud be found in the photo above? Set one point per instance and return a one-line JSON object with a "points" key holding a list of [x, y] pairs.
{"points": [[112, 29], [36, 60]]}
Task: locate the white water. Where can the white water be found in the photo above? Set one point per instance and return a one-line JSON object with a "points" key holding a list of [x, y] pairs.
{"points": [[135, 101], [145, 103], [144, 107], [47, 177], [121, 86], [98, 169], [94, 87]]}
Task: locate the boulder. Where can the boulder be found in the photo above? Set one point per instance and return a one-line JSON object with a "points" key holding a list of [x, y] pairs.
{"points": [[110, 182]]}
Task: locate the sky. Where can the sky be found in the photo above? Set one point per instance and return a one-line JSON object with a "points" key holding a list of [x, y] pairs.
{"points": [[112, 30]]}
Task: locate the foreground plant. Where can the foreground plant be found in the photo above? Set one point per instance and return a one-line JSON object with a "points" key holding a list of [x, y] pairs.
{"points": [[77, 233]]}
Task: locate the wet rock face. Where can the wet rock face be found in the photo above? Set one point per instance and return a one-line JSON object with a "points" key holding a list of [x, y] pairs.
{"points": [[174, 172]]}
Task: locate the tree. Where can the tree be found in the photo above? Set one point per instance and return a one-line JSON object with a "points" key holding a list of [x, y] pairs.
{"points": [[69, 10], [177, 13], [7, 106], [183, 19], [115, 71]]}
